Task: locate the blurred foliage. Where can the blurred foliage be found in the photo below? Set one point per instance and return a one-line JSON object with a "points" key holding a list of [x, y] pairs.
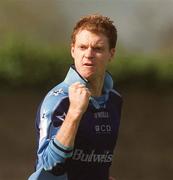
{"points": [[28, 65], [144, 70]]}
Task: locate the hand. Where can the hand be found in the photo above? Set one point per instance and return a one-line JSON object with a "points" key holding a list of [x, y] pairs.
{"points": [[78, 97]]}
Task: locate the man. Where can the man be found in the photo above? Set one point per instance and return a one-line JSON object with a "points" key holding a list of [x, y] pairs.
{"points": [[78, 120]]}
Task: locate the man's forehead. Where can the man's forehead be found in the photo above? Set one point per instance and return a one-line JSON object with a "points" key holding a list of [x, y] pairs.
{"points": [[85, 36]]}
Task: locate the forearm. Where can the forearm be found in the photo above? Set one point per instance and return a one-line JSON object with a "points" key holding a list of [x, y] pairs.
{"points": [[79, 99], [67, 132], [57, 150]]}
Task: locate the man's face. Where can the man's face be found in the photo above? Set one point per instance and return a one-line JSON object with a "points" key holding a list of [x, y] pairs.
{"points": [[91, 54]]}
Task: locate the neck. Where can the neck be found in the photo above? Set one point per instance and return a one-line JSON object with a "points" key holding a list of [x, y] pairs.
{"points": [[96, 86]]}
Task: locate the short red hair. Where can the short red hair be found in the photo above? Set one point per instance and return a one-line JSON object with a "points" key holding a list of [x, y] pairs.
{"points": [[97, 24]]}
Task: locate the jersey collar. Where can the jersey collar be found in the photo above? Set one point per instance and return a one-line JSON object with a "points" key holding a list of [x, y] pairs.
{"points": [[73, 76]]}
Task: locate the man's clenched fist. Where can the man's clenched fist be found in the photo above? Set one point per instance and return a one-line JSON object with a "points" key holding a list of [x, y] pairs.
{"points": [[79, 98]]}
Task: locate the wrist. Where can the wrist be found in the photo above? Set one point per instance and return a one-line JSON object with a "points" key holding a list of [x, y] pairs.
{"points": [[74, 113]]}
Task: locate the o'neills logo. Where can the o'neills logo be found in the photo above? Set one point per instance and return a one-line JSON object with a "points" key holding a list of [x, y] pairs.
{"points": [[79, 155]]}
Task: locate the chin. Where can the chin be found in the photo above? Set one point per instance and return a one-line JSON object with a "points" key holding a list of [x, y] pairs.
{"points": [[89, 76]]}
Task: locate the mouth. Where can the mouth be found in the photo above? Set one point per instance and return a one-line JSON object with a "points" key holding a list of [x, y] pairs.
{"points": [[88, 64]]}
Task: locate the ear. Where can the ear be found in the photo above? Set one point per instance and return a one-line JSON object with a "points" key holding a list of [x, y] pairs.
{"points": [[112, 53], [72, 50]]}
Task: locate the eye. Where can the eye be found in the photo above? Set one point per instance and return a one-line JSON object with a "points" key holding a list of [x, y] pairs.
{"points": [[98, 49], [82, 47]]}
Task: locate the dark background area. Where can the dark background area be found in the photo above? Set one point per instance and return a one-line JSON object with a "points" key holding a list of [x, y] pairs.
{"points": [[144, 147]]}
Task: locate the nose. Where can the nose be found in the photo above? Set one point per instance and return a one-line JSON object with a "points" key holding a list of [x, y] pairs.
{"points": [[89, 53]]}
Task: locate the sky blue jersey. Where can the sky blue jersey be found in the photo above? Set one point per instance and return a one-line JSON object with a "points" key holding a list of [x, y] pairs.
{"points": [[92, 154]]}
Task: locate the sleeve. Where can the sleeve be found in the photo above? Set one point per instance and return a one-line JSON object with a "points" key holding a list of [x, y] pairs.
{"points": [[52, 155]]}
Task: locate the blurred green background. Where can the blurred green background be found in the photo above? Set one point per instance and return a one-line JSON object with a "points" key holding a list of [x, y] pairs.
{"points": [[35, 56]]}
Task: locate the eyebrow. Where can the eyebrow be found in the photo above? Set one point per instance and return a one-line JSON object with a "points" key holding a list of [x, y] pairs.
{"points": [[95, 45]]}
